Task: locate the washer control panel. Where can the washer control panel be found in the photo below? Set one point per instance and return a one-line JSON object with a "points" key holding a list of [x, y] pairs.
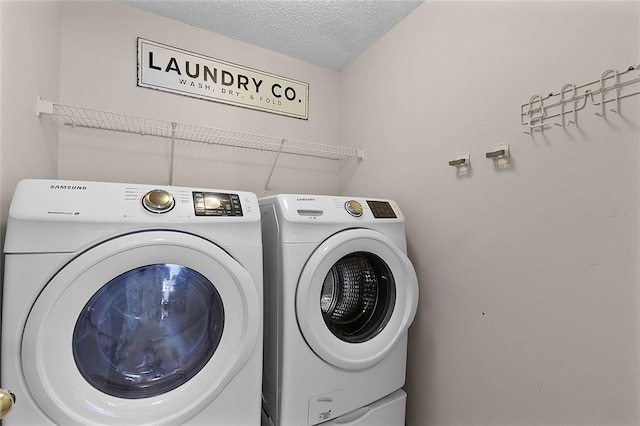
{"points": [[337, 209], [102, 202], [216, 204], [204, 203], [381, 209]]}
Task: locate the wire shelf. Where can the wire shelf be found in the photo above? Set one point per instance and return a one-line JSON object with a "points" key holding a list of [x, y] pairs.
{"points": [[96, 119]]}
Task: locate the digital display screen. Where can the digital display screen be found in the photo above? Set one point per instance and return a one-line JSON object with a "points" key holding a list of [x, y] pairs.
{"points": [[216, 204], [382, 210]]}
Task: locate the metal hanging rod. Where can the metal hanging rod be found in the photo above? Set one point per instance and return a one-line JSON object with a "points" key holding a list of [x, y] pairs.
{"points": [[96, 119], [571, 99]]}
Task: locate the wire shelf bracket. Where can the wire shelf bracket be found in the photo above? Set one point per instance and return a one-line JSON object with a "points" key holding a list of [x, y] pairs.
{"points": [[75, 116]]}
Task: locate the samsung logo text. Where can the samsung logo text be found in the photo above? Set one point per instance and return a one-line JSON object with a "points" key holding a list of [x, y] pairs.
{"points": [[69, 187]]}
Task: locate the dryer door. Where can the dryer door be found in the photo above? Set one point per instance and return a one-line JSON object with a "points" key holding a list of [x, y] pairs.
{"points": [[356, 296], [144, 328]]}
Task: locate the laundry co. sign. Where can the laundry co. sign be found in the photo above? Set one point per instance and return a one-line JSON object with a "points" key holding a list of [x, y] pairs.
{"points": [[178, 71]]}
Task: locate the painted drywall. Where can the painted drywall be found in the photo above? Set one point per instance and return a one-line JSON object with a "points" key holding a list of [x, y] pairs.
{"points": [[30, 67], [529, 275], [98, 70]]}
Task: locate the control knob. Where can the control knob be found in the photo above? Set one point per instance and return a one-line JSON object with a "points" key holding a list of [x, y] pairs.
{"points": [[158, 201], [354, 208], [7, 399]]}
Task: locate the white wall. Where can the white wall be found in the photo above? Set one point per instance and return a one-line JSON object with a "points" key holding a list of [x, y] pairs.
{"points": [[529, 285], [30, 67]]}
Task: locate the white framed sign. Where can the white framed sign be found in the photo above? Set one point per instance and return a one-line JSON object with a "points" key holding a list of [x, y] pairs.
{"points": [[175, 70]]}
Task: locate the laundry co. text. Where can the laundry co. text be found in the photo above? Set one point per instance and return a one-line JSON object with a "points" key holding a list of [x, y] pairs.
{"points": [[175, 70]]}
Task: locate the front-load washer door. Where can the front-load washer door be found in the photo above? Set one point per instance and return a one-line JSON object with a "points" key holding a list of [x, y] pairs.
{"points": [[357, 294], [146, 328]]}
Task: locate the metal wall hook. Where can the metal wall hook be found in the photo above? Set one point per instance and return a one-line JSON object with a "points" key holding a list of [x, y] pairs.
{"points": [[536, 113], [462, 163], [569, 87], [500, 156], [603, 90]]}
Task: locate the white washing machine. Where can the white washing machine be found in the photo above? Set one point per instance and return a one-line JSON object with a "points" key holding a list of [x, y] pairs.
{"points": [[340, 294], [131, 304]]}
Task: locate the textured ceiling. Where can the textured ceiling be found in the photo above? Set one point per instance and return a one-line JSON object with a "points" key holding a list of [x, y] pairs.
{"points": [[323, 32]]}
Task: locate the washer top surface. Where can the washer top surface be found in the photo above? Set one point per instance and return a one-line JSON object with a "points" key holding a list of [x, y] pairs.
{"points": [[52, 215], [313, 218]]}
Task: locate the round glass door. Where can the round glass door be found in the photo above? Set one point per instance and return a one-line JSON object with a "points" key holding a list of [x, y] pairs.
{"points": [[357, 297], [148, 331], [145, 328]]}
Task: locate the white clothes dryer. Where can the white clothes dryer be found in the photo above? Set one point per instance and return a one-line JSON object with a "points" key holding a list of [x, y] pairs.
{"points": [[340, 294], [130, 304]]}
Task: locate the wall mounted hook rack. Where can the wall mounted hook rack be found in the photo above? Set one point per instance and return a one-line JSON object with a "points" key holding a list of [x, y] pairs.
{"points": [[571, 99]]}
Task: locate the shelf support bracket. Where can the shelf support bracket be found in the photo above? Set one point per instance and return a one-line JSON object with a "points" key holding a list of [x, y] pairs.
{"points": [[273, 166], [173, 151], [43, 107]]}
